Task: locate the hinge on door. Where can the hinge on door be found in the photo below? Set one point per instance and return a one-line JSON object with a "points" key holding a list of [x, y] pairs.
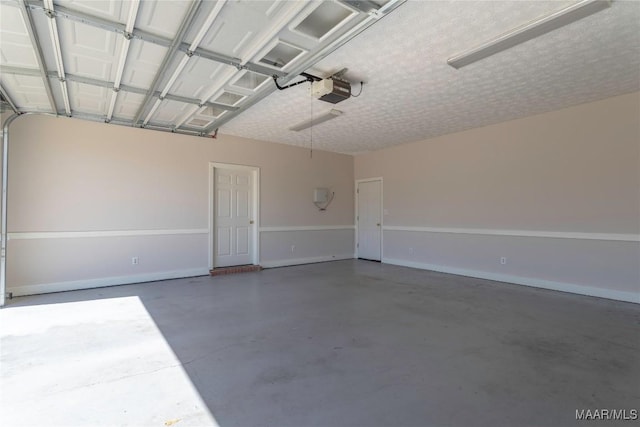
{"points": [[358, 191], [357, 245], [358, 218]]}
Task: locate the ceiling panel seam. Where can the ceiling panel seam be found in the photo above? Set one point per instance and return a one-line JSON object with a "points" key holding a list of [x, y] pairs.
{"points": [[365, 6], [57, 50], [108, 25], [129, 123], [104, 24], [369, 13], [145, 36], [131, 20], [7, 69], [189, 53], [33, 36], [329, 46], [78, 16], [234, 62], [151, 126], [4, 69], [269, 35], [7, 98], [266, 37], [184, 26]]}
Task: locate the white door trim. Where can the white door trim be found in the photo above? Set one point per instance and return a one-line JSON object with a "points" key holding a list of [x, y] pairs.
{"points": [[355, 218], [256, 208]]}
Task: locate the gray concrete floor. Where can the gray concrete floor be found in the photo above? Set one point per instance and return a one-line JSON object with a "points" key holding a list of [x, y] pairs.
{"points": [[347, 343]]}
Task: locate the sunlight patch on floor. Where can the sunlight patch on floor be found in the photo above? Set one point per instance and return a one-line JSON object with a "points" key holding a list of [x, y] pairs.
{"points": [[98, 362]]}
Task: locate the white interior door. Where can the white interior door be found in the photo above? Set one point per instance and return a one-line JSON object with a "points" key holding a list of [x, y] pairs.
{"points": [[369, 219], [234, 221]]}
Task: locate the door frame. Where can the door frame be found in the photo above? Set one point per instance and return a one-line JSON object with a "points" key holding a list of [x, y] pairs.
{"points": [[355, 218], [255, 204]]}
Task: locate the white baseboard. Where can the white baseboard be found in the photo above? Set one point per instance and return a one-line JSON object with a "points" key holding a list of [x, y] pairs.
{"points": [[299, 261], [178, 274], [45, 288], [526, 281]]}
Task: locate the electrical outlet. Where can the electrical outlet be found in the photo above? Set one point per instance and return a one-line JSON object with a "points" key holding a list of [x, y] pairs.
{"points": [[293, 248], [503, 260], [410, 251], [135, 260]]}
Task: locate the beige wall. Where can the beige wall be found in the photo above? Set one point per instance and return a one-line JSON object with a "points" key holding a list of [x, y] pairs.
{"points": [[565, 185], [92, 176], [575, 170], [68, 175]]}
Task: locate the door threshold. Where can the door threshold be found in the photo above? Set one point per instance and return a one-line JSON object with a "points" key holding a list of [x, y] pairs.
{"points": [[219, 271]]}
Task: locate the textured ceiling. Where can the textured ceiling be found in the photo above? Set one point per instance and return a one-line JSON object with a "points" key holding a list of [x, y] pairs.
{"points": [[410, 92]]}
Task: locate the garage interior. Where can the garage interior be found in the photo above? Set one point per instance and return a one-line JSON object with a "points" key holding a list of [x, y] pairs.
{"points": [[328, 213]]}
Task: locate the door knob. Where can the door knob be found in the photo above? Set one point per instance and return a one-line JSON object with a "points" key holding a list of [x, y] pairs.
{"points": [[378, 224], [251, 221]]}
